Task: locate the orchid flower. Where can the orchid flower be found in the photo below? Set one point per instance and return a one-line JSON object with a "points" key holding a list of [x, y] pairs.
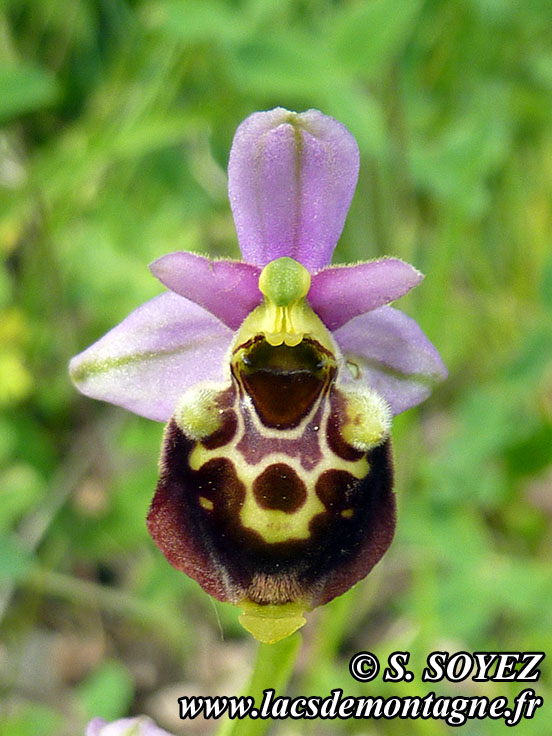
{"points": [[138, 726], [278, 376]]}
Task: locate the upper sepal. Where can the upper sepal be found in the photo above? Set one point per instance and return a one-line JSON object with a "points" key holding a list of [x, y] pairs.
{"points": [[291, 178]]}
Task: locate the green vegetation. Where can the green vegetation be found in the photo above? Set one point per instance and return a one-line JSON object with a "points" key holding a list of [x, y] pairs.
{"points": [[117, 121]]}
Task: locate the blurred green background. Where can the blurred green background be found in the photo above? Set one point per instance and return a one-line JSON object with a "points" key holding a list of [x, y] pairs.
{"points": [[117, 119]]}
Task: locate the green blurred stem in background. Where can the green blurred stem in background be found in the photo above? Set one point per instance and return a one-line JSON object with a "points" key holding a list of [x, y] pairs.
{"points": [[273, 669]]}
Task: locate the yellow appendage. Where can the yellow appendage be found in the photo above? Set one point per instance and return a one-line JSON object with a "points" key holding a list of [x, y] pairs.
{"points": [[368, 419], [270, 624]]}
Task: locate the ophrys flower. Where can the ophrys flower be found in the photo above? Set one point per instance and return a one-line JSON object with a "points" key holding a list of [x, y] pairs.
{"points": [[278, 377]]}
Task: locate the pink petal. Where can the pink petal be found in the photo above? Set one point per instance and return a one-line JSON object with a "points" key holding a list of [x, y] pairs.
{"points": [[392, 355], [227, 289], [146, 362], [291, 178], [138, 726], [339, 293]]}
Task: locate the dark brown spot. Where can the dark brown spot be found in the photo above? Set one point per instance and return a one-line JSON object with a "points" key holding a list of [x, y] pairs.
{"points": [[226, 398], [335, 423], [334, 488], [217, 481], [225, 433], [279, 487]]}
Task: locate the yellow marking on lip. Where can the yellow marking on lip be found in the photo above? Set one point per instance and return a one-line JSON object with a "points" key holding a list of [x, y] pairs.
{"points": [[206, 503], [274, 525]]}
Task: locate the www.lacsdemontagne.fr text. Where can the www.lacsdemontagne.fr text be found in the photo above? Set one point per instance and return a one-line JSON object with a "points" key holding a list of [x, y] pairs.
{"points": [[454, 711]]}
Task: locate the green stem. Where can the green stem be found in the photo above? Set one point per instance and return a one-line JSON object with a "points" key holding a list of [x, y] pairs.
{"points": [[109, 600], [273, 669]]}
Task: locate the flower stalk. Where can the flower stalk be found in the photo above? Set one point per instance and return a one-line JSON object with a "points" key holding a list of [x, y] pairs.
{"points": [[273, 668]]}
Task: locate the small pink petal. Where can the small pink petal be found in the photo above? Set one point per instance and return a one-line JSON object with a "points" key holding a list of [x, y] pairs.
{"points": [[339, 293], [227, 289]]}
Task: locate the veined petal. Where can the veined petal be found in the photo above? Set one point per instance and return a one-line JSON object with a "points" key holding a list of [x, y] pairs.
{"points": [[291, 178], [339, 293], [227, 289], [146, 362], [388, 350]]}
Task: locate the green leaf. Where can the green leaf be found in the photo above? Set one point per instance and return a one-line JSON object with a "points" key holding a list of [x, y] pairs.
{"points": [[32, 719], [24, 89], [368, 37], [283, 65], [22, 488], [363, 115], [150, 134], [194, 21], [546, 284], [15, 560]]}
